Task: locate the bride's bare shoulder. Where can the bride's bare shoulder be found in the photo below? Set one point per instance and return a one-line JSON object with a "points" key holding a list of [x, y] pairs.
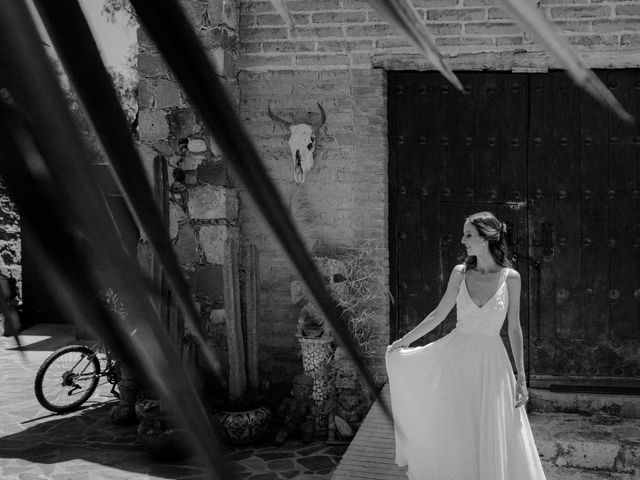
{"points": [[513, 275]]}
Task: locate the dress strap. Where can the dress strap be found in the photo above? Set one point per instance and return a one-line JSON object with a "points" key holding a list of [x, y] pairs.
{"points": [[504, 274]]}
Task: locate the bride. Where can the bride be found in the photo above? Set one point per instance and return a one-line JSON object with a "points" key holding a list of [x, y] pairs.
{"points": [[457, 406]]}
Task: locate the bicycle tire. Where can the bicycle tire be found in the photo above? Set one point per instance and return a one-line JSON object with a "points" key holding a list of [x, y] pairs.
{"points": [[63, 360]]}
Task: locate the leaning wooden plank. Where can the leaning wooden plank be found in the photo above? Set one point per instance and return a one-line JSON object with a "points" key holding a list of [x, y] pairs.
{"points": [[235, 344]]}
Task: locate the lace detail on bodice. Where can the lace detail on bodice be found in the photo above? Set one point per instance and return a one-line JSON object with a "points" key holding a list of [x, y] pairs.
{"points": [[485, 320]]}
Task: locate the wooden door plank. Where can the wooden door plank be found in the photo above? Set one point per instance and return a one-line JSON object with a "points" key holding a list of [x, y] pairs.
{"points": [[409, 218], [513, 112], [622, 212], [431, 166], [567, 196], [456, 140], [594, 218], [452, 215], [513, 120], [441, 146], [486, 159], [541, 170]]}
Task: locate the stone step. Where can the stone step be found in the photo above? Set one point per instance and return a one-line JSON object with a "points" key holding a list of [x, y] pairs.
{"points": [[553, 472], [542, 400], [598, 442]]}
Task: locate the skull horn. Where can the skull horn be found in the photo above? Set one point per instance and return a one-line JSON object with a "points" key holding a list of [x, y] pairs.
{"points": [[277, 119], [323, 119]]}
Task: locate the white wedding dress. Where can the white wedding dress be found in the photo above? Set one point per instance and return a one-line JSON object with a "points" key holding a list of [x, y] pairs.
{"points": [[453, 401]]}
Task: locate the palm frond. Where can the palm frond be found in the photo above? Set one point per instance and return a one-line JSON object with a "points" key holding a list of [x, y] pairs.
{"points": [[76, 242], [530, 18], [76, 46], [404, 16]]}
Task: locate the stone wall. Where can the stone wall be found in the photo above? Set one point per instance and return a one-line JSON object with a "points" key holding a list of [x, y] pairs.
{"points": [[10, 246], [338, 58], [204, 204]]}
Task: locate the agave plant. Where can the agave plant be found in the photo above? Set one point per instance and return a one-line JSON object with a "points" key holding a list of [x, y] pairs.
{"points": [[76, 242]]}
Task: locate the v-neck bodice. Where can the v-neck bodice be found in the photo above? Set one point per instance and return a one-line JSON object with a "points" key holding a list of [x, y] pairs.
{"points": [[487, 319]]}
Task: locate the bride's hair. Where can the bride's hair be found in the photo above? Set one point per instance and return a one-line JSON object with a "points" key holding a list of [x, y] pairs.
{"points": [[495, 233]]}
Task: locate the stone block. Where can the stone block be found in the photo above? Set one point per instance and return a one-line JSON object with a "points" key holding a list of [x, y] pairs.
{"points": [[206, 284], [151, 65], [144, 39], [147, 154], [163, 148], [214, 172], [177, 216], [195, 11], [187, 247], [191, 161], [211, 202], [145, 93], [298, 292], [153, 125], [191, 178], [167, 94], [183, 123], [223, 61], [197, 145], [212, 238]]}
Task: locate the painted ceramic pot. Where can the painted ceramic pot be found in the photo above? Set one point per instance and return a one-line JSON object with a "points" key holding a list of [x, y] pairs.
{"points": [[243, 427]]}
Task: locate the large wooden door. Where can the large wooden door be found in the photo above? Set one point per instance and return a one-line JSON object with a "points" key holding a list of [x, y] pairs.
{"points": [[561, 172]]}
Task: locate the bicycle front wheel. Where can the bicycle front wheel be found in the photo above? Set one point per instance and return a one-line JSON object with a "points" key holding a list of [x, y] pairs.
{"points": [[67, 378]]}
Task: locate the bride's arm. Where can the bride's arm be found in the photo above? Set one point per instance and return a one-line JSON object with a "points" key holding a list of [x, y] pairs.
{"points": [[439, 314], [513, 318]]}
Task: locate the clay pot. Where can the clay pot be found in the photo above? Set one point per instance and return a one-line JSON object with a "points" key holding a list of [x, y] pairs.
{"points": [[243, 427]]}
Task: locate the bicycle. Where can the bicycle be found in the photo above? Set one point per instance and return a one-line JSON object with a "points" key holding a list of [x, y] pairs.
{"points": [[70, 375]]}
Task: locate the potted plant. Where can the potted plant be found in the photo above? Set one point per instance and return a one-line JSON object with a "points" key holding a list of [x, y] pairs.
{"points": [[360, 293]]}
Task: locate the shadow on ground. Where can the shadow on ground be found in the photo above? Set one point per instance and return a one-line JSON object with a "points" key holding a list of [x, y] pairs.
{"points": [[88, 442]]}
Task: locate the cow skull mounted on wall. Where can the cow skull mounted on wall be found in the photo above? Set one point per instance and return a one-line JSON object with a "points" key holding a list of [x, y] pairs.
{"points": [[302, 142]]}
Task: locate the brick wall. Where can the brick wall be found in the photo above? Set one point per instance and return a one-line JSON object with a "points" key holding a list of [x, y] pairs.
{"points": [[338, 59], [342, 202], [344, 34]]}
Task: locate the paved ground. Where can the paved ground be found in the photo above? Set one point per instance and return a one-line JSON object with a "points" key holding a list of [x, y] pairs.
{"points": [[38, 445]]}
